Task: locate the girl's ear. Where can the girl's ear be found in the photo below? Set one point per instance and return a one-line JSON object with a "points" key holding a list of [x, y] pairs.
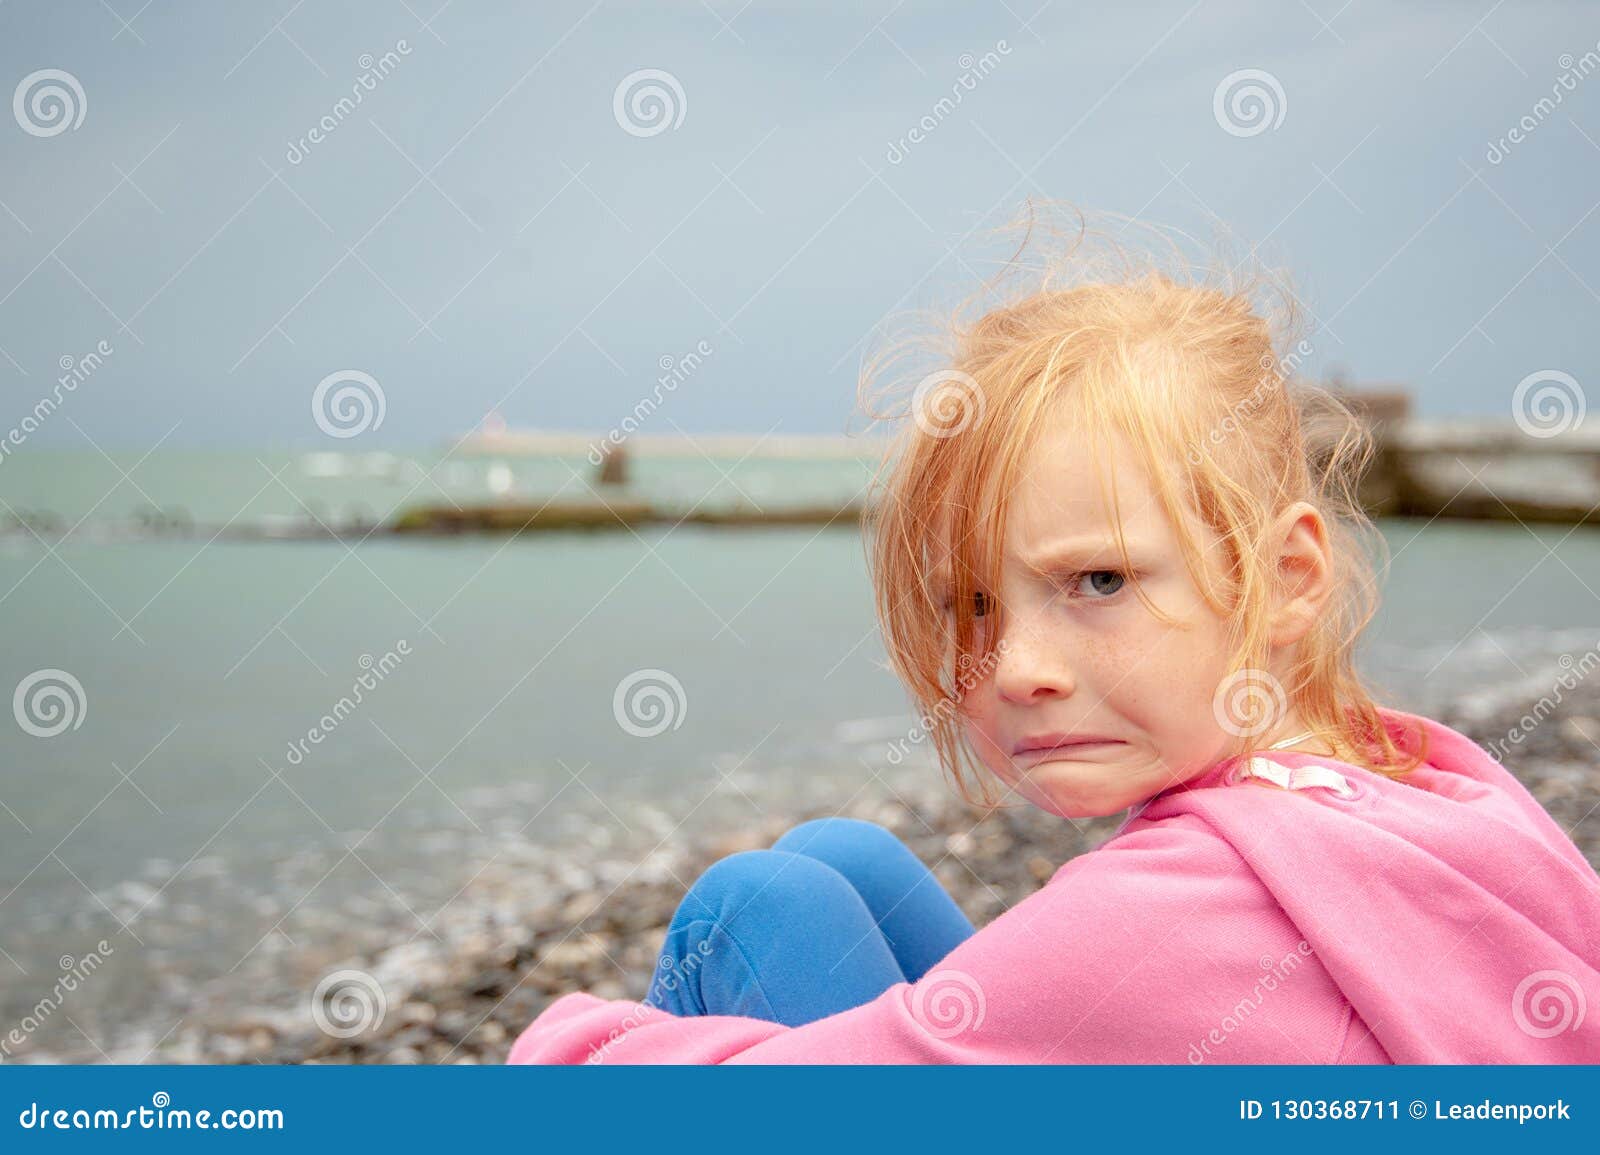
{"points": [[1304, 572]]}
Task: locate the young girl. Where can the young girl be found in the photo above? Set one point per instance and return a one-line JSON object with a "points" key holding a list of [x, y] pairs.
{"points": [[1118, 563]]}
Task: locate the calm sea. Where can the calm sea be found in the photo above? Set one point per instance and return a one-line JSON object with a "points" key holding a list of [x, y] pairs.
{"points": [[200, 802]]}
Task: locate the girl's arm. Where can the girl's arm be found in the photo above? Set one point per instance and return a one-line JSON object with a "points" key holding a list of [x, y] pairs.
{"points": [[1155, 948]]}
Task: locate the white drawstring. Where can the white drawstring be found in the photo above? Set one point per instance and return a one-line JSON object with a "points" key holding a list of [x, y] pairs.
{"points": [[1295, 777]]}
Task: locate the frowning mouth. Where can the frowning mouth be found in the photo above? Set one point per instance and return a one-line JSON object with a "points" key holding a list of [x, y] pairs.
{"points": [[1046, 747]]}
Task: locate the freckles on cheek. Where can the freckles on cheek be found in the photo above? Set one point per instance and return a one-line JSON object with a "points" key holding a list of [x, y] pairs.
{"points": [[1155, 690], [1134, 669]]}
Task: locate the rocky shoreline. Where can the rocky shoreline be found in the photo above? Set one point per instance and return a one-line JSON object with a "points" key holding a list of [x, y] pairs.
{"points": [[564, 921]]}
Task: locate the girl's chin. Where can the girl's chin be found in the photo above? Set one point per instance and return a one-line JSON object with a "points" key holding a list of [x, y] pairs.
{"points": [[1076, 789]]}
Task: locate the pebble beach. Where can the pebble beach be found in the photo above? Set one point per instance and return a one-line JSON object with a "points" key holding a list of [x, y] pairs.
{"points": [[552, 919]]}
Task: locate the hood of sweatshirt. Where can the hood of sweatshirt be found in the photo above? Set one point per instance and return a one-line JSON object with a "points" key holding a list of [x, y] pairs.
{"points": [[1456, 916]]}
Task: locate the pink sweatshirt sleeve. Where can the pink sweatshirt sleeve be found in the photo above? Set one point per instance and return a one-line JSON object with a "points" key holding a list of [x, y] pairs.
{"points": [[1137, 952]]}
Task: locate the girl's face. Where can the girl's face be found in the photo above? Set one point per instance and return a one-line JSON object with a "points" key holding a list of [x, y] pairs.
{"points": [[1124, 698]]}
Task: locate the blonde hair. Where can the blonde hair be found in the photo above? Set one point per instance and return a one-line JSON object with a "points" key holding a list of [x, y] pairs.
{"points": [[1185, 366]]}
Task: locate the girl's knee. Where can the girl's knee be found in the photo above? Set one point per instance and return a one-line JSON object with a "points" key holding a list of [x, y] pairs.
{"points": [[841, 840], [754, 879]]}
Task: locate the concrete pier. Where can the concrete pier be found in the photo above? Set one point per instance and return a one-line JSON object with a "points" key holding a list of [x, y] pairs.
{"points": [[1492, 469]]}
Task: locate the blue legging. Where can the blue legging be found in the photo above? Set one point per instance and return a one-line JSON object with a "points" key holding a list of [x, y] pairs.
{"points": [[838, 911]]}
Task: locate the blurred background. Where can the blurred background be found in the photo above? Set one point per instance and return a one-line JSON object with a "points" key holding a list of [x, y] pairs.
{"points": [[326, 631]]}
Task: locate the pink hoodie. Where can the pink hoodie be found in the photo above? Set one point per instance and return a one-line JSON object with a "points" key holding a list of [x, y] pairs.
{"points": [[1346, 919]]}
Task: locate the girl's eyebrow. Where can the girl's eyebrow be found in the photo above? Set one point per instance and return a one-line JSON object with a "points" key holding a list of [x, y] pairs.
{"points": [[1052, 556]]}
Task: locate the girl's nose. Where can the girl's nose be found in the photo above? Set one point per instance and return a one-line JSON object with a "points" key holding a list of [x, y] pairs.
{"points": [[1031, 665]]}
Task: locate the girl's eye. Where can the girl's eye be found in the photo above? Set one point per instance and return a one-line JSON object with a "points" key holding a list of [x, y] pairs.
{"points": [[980, 604], [1102, 583]]}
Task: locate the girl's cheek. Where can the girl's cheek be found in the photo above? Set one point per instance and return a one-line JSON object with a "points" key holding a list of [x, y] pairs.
{"points": [[980, 736], [974, 722], [995, 759]]}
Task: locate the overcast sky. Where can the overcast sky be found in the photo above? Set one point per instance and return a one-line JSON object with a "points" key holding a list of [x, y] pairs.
{"points": [[486, 229]]}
